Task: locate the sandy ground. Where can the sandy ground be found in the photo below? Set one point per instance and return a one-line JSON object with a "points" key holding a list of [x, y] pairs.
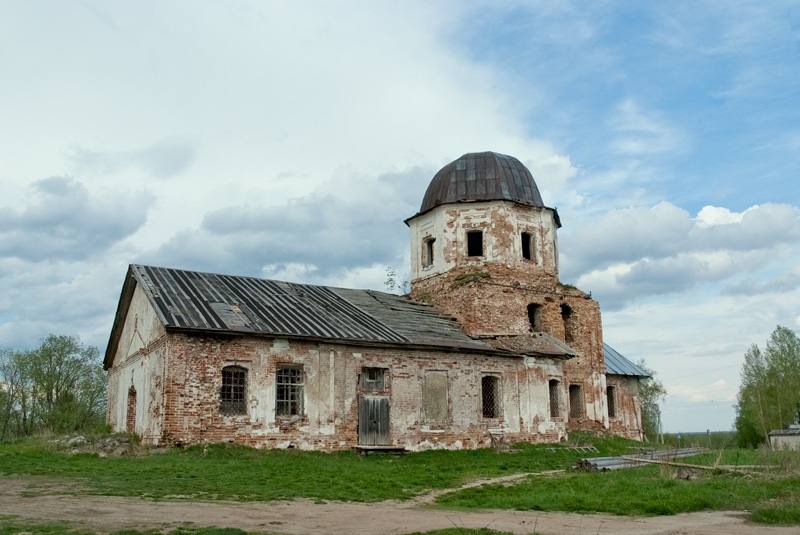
{"points": [[36, 498]]}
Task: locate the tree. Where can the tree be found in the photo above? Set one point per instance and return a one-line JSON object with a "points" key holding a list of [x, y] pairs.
{"points": [[58, 387], [769, 396], [651, 393], [395, 282]]}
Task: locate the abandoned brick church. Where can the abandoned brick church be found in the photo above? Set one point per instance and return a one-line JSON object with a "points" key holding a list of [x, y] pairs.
{"points": [[488, 345]]}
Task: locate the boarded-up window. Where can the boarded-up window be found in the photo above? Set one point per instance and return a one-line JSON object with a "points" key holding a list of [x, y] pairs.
{"points": [[575, 401], [475, 243], [555, 409], [289, 390], [233, 395], [490, 396], [612, 402], [372, 380], [435, 396]]}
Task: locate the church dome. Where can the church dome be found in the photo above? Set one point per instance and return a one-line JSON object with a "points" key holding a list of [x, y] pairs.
{"points": [[482, 176]]}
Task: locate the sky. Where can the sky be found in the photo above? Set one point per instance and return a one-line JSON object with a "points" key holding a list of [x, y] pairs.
{"points": [[290, 140]]}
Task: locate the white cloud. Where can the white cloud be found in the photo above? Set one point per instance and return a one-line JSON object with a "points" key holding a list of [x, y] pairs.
{"points": [[162, 159], [291, 140], [713, 215], [718, 391], [63, 220], [633, 253], [644, 132]]}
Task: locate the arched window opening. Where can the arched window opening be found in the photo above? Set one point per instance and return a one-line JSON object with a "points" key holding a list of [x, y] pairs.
{"points": [[490, 396], [475, 243], [233, 394], [535, 317], [575, 402], [555, 409], [567, 318]]}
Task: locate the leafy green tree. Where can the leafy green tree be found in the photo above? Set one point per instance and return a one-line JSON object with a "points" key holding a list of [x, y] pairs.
{"points": [[769, 397], [651, 393], [58, 387]]}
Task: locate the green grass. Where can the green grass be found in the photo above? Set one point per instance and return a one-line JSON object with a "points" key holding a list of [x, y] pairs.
{"points": [[234, 472], [648, 491]]}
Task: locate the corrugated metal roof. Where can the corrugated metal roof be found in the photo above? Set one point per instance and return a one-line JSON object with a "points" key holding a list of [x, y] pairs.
{"points": [[616, 364], [211, 302], [208, 302]]}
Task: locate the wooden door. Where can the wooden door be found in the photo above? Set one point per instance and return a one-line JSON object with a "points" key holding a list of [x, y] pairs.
{"points": [[373, 421]]}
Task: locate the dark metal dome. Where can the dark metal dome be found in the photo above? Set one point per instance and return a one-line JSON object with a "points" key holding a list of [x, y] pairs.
{"points": [[482, 176]]}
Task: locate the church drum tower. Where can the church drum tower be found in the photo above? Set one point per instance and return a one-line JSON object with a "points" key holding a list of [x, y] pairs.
{"points": [[484, 249]]}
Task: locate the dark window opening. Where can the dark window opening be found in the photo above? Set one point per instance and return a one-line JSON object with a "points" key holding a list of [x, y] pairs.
{"points": [[535, 317], [372, 379], [429, 252], [575, 401], [612, 402], [475, 243], [232, 396], [527, 246], [130, 415], [490, 396], [289, 390], [555, 409], [566, 316]]}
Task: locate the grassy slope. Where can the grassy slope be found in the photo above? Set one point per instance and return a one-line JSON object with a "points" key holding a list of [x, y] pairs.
{"points": [[233, 472], [773, 496]]}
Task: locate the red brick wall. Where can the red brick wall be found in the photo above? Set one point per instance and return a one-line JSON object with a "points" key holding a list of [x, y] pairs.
{"points": [[494, 301], [331, 390]]}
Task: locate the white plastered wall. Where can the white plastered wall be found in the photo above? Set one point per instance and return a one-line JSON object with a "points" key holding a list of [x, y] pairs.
{"points": [[139, 363], [502, 222]]}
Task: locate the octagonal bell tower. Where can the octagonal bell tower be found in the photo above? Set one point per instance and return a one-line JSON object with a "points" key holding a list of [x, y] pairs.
{"points": [[483, 220]]}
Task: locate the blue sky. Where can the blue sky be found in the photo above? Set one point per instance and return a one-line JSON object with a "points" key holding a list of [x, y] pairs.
{"points": [[291, 141]]}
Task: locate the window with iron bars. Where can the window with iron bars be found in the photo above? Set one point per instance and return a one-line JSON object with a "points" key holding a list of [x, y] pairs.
{"points": [[289, 390], [575, 402], [233, 395], [490, 396], [555, 409], [372, 380]]}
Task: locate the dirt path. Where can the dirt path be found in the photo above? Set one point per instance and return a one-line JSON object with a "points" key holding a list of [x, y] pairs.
{"points": [[33, 498]]}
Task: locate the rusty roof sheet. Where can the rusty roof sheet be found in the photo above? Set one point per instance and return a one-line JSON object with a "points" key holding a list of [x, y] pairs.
{"points": [[482, 176], [616, 364], [207, 302], [536, 343]]}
